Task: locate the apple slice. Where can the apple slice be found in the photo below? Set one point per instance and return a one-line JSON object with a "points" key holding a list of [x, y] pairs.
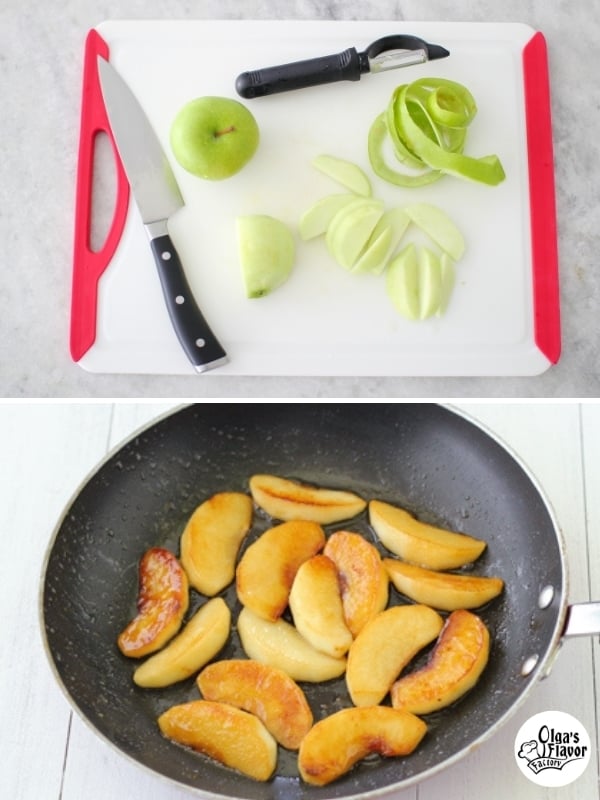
{"points": [[211, 540], [402, 282], [349, 175], [350, 230], [395, 635], [439, 227], [266, 251], [336, 743], [397, 220], [448, 279], [315, 221], [279, 645], [430, 283], [420, 543], [455, 665], [225, 733], [200, 640], [375, 254], [265, 691], [441, 589]]}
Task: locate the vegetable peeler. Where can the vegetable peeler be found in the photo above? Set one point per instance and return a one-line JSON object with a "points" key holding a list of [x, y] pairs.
{"points": [[389, 52]]}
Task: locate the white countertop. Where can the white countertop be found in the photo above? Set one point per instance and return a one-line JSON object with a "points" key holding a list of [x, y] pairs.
{"points": [[42, 49], [49, 753]]}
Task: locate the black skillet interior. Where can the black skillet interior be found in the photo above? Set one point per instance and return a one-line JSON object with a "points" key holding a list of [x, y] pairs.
{"points": [[421, 456]]}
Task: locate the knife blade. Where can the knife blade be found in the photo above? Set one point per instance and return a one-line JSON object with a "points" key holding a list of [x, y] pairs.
{"points": [[157, 197]]}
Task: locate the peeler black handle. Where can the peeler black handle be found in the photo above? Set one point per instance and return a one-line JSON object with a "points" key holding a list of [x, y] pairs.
{"points": [[345, 66]]}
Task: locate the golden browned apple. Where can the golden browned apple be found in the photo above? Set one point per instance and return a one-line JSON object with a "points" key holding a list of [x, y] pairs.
{"points": [[363, 579], [163, 598], [200, 640], [336, 743], [211, 540], [265, 691], [420, 543], [455, 665], [442, 590], [316, 606], [384, 647], [267, 569], [285, 499], [226, 733]]}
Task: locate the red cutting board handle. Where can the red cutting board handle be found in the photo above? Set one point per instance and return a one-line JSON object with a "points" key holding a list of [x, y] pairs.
{"points": [[88, 265]]}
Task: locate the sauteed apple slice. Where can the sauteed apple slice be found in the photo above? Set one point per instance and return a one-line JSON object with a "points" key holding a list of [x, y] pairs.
{"points": [[163, 599], [456, 663], [337, 742], [285, 499]]}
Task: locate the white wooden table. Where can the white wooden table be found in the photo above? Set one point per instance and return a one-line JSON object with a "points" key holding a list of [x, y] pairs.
{"points": [[49, 753]]}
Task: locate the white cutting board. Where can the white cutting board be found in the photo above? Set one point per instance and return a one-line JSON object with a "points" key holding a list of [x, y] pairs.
{"points": [[323, 321]]}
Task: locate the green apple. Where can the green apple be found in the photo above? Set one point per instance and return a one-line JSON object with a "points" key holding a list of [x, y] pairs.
{"points": [[315, 220], [266, 252], [344, 172], [214, 137], [439, 227]]}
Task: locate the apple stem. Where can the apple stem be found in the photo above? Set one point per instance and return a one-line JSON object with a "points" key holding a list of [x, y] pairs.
{"points": [[230, 129]]}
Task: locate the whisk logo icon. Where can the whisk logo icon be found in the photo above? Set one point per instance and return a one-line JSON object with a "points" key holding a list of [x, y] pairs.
{"points": [[552, 748]]}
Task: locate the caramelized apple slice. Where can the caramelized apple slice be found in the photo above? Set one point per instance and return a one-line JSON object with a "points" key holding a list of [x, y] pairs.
{"points": [[419, 543], [456, 663], [384, 647], [339, 741], [285, 499], [229, 735], [163, 599], [267, 569], [442, 590], [211, 540], [265, 691], [363, 578]]}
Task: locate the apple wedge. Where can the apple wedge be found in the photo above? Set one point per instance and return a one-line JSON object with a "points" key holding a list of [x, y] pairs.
{"points": [[279, 645], [439, 227], [351, 229], [384, 647], [287, 500], [267, 569], [211, 540], [335, 744], [455, 665], [402, 282], [163, 598], [316, 606], [265, 691], [225, 733], [316, 219], [200, 640], [266, 252], [363, 578], [420, 543], [442, 590], [349, 175]]}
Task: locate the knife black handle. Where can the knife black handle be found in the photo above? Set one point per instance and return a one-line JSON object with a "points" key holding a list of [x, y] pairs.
{"points": [[345, 66], [199, 342]]}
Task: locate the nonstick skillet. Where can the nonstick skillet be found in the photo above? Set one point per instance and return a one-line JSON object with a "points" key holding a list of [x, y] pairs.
{"points": [[433, 461]]}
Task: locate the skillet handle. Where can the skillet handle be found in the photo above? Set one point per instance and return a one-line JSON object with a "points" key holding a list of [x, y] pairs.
{"points": [[583, 619]]}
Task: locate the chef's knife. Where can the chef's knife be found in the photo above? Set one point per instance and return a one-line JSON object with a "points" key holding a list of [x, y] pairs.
{"points": [[157, 197]]}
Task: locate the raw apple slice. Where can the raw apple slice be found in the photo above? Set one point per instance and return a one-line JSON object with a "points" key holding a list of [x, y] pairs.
{"points": [[336, 743], [349, 175], [455, 665], [442, 590], [402, 282], [395, 635], [447, 282], [200, 640], [265, 691], [211, 540], [422, 544], [351, 229], [439, 227], [279, 645], [315, 221], [163, 599], [229, 735], [375, 254], [266, 251], [430, 283]]}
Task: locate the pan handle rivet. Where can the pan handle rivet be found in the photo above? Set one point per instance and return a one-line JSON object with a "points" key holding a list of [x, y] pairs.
{"points": [[546, 597], [529, 665]]}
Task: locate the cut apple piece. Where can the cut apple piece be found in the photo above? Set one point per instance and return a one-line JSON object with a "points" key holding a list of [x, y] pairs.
{"points": [[266, 251], [402, 282], [337, 742], [316, 606], [315, 221], [439, 227], [279, 645], [455, 665], [395, 635], [289, 500], [265, 691], [163, 599], [349, 175], [442, 590], [211, 540], [419, 543], [363, 578], [200, 640], [447, 274], [350, 230], [225, 733], [375, 253], [430, 283]]}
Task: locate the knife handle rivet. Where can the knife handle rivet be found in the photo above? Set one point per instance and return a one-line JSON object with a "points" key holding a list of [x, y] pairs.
{"points": [[200, 342], [165, 255], [180, 299]]}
